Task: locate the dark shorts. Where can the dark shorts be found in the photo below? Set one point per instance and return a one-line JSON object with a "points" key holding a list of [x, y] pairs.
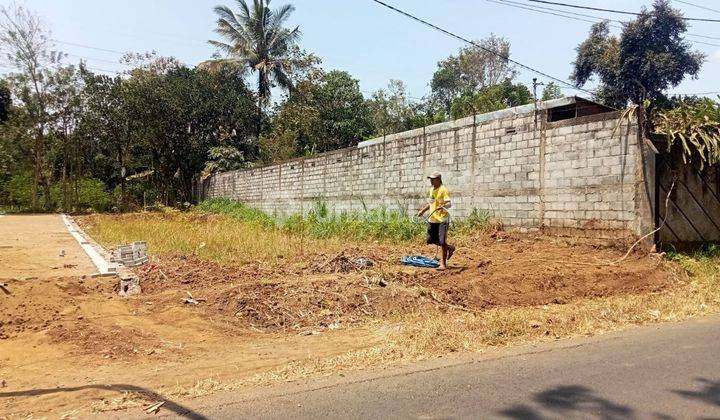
{"points": [[437, 233]]}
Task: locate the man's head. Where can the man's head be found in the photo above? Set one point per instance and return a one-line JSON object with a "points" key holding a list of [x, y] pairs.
{"points": [[435, 179]]}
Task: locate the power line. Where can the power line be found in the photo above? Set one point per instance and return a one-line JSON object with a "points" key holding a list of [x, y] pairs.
{"points": [[530, 7], [503, 56], [563, 13], [613, 11], [697, 5], [89, 47], [95, 59], [693, 94]]}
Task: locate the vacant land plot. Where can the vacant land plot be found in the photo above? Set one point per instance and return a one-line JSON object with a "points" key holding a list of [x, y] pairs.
{"points": [[39, 247], [229, 303]]}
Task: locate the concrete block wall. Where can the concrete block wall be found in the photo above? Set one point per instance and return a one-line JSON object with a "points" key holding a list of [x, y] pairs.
{"points": [[573, 175]]}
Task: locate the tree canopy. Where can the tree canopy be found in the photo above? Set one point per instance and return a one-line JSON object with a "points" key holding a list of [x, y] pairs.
{"points": [[474, 68], [648, 57], [326, 112]]}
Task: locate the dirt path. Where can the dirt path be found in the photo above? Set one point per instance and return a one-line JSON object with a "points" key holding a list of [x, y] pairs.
{"points": [[31, 247]]}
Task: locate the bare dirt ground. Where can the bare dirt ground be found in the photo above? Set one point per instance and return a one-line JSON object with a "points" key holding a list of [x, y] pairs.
{"points": [[70, 346], [31, 247]]}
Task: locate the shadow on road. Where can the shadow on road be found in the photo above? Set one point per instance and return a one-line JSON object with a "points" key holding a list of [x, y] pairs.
{"points": [[176, 408], [709, 392], [569, 400]]}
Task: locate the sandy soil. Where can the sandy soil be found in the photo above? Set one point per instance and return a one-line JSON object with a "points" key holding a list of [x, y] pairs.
{"points": [[69, 345], [31, 247]]}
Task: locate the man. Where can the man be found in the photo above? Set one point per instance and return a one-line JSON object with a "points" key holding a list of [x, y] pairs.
{"points": [[439, 218]]}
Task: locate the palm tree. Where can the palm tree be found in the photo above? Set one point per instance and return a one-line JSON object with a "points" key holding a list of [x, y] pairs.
{"points": [[256, 39]]}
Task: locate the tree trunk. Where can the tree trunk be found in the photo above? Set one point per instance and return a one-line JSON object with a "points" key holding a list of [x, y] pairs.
{"points": [[41, 178], [260, 103], [64, 187], [49, 206], [36, 178], [121, 163], [259, 118], [64, 173]]}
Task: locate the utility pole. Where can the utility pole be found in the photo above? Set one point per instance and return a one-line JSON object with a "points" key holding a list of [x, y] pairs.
{"points": [[535, 85]]}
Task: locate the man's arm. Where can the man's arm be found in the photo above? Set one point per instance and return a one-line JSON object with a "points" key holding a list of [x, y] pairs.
{"points": [[423, 210]]}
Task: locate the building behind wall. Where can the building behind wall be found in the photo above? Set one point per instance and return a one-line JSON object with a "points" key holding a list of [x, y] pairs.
{"points": [[567, 165]]}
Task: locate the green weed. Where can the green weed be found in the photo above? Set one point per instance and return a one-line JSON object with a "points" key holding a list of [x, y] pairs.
{"points": [[380, 224]]}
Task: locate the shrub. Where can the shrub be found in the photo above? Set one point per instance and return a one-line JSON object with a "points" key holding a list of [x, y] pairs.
{"points": [[19, 190], [92, 194]]}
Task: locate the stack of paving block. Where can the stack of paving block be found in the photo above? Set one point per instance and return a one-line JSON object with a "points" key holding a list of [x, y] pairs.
{"points": [[131, 255]]}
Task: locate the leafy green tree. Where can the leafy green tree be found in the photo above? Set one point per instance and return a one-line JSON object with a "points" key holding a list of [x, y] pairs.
{"points": [[552, 91], [255, 37], [106, 128], [326, 112], [475, 67], [649, 57], [65, 104], [493, 98]]}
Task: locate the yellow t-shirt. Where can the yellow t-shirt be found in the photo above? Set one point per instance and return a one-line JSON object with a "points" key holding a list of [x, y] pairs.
{"points": [[438, 196]]}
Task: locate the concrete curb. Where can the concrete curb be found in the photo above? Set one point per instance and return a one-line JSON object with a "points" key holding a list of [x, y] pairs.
{"points": [[98, 255]]}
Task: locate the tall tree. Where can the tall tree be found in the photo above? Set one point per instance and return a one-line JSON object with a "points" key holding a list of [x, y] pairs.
{"points": [[649, 57], [64, 113], [256, 38], [106, 126], [474, 68], [27, 47]]}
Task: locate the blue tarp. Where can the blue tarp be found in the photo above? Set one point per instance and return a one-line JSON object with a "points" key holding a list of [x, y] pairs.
{"points": [[420, 261]]}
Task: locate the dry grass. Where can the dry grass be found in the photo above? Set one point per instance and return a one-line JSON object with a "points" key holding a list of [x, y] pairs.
{"points": [[213, 237]]}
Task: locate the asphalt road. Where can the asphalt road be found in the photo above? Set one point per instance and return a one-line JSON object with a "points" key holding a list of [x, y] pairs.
{"points": [[662, 372]]}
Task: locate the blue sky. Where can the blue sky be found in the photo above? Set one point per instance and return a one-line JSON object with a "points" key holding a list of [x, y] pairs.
{"points": [[359, 36]]}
